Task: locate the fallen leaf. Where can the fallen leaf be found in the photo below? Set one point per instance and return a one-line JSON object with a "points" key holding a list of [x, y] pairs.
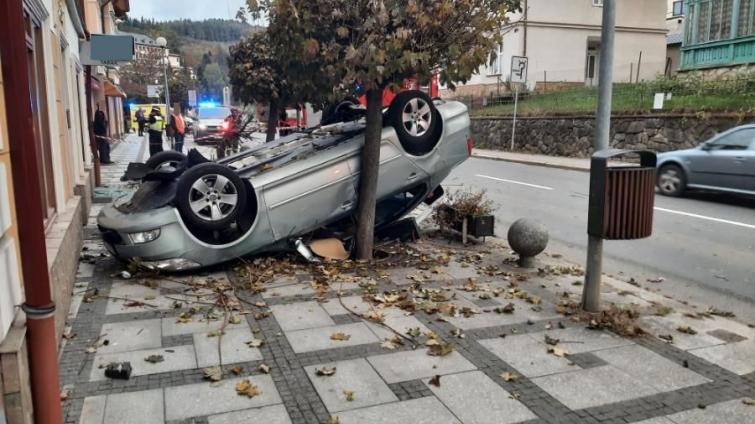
{"points": [[440, 349], [686, 330], [216, 333], [264, 368], [392, 343], [551, 341], [656, 280], [213, 373], [667, 337], [748, 401], [261, 315], [246, 388], [260, 304], [333, 420], [509, 376], [234, 319], [508, 309], [91, 350], [720, 313], [65, 393], [435, 381], [558, 351], [255, 343], [154, 359], [349, 395], [325, 371], [414, 332], [375, 315], [237, 370], [340, 337]]}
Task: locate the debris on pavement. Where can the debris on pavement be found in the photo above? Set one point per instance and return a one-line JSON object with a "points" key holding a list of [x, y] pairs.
{"points": [[331, 249], [349, 395], [154, 359], [509, 376], [213, 373], [686, 330], [325, 371], [246, 388], [435, 381], [118, 370]]}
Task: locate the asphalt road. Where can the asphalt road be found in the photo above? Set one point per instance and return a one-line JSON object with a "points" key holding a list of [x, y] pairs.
{"points": [[703, 245]]}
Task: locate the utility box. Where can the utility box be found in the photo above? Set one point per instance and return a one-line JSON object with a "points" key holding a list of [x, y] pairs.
{"points": [[622, 197]]}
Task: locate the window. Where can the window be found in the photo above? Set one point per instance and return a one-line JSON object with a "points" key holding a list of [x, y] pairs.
{"points": [[745, 22], [496, 61], [690, 26], [35, 60], [597, 3], [677, 9], [738, 140]]}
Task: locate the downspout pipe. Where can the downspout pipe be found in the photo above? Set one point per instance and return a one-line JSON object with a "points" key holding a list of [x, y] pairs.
{"points": [[73, 12], [39, 305]]}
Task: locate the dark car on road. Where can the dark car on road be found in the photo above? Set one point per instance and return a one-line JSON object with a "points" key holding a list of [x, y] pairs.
{"points": [[724, 163]]}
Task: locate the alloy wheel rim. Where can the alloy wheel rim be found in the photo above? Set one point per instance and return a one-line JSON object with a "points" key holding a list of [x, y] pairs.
{"points": [[417, 117], [213, 197], [670, 181]]}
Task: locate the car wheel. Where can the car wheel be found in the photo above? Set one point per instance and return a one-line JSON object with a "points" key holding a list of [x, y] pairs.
{"points": [[210, 196], [166, 161], [416, 121], [671, 180]]}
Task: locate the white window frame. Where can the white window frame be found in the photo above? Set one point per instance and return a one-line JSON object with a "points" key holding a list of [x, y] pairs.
{"points": [[5, 212], [597, 3], [681, 8], [496, 68]]}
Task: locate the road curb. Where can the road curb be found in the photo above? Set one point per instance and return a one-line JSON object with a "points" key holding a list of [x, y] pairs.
{"points": [[534, 163]]}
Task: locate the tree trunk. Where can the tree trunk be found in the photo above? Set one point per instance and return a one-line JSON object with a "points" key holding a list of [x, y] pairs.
{"points": [[368, 177], [272, 123]]}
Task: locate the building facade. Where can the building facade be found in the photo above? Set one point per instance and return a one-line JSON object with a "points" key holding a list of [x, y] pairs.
{"points": [[718, 34], [675, 24], [57, 82], [562, 41]]}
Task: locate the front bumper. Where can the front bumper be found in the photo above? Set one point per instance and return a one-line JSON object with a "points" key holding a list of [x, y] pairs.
{"points": [[175, 249]]}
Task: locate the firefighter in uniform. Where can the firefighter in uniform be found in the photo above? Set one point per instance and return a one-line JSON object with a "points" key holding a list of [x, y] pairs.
{"points": [[155, 125]]}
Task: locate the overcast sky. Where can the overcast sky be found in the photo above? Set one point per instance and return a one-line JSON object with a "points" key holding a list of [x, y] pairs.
{"points": [[163, 10]]}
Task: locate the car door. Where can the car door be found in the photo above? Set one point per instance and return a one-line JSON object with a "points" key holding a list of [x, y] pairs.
{"points": [[748, 164], [312, 193], [723, 161]]}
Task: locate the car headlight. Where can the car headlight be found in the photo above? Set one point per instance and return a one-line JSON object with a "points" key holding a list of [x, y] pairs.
{"points": [[202, 126], [144, 236]]}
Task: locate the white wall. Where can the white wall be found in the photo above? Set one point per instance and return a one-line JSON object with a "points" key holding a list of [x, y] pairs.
{"points": [[558, 33]]}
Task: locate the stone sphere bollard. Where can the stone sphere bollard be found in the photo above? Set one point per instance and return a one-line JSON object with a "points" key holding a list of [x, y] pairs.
{"points": [[528, 238]]}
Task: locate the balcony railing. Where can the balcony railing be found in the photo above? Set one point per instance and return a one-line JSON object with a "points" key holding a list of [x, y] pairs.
{"points": [[736, 51]]}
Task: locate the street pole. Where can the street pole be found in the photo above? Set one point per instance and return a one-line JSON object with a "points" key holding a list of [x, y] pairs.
{"points": [[516, 106], [593, 273]]}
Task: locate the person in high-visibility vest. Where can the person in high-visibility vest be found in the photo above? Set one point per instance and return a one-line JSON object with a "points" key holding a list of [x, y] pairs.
{"points": [[155, 125]]}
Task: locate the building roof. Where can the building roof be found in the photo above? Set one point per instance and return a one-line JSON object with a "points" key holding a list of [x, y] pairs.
{"points": [[674, 38], [140, 38]]}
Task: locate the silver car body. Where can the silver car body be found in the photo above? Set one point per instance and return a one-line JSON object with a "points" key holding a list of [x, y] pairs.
{"points": [[294, 199], [726, 162]]}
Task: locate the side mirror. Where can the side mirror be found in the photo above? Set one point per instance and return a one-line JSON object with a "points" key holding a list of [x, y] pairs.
{"points": [[706, 147]]}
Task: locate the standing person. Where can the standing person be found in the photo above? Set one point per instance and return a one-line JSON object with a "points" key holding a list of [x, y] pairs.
{"points": [[178, 126], [100, 133], [140, 120], [231, 134], [155, 127]]}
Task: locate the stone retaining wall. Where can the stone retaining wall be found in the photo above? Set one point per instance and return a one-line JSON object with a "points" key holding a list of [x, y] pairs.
{"points": [[573, 135]]}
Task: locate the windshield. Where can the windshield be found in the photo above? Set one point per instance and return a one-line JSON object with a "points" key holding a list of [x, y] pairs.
{"points": [[214, 113]]}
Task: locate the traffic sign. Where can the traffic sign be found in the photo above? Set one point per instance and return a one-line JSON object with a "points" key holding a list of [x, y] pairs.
{"points": [[519, 69]]}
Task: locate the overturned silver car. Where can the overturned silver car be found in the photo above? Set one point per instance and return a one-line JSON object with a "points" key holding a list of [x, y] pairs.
{"points": [[189, 212]]}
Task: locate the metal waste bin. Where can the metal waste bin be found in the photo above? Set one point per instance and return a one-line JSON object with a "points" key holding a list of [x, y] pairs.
{"points": [[622, 196]]}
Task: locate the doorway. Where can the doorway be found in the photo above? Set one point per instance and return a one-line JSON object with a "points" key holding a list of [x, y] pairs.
{"points": [[592, 62]]}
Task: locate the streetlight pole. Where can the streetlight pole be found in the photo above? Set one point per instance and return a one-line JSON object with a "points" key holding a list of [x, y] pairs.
{"points": [[163, 43], [594, 270]]}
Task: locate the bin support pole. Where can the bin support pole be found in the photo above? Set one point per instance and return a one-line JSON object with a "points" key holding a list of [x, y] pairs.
{"points": [[593, 273], [513, 124]]}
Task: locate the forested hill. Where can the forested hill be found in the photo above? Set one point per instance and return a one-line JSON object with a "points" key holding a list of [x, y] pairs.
{"points": [[218, 30]]}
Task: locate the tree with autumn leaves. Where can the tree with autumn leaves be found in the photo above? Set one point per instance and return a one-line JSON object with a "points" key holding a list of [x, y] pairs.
{"points": [[377, 44]]}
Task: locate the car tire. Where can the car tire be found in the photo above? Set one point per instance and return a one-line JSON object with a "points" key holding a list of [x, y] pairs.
{"points": [[671, 180], [205, 205], [416, 120], [166, 159]]}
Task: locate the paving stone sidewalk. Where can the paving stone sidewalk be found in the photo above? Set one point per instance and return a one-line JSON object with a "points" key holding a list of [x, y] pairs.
{"points": [[705, 377]]}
